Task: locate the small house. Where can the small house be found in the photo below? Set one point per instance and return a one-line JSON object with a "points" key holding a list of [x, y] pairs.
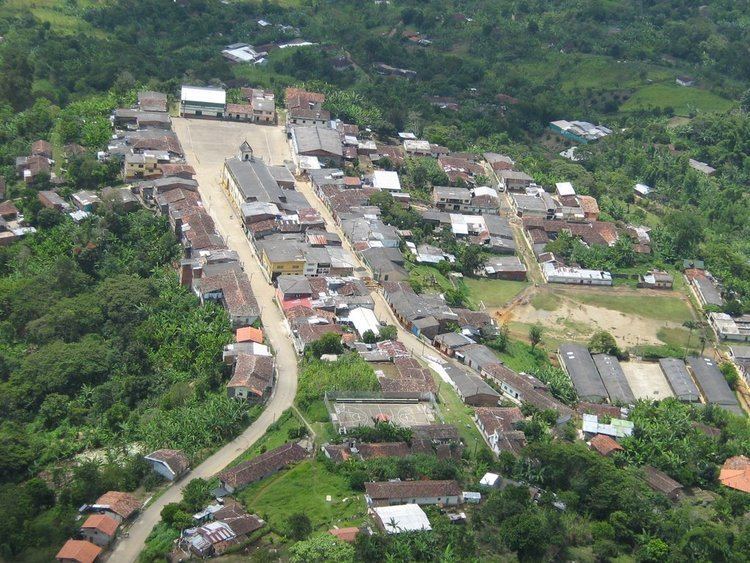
{"points": [[78, 551], [389, 493], [604, 445], [170, 464], [99, 529], [662, 483], [656, 279], [117, 505], [735, 473]]}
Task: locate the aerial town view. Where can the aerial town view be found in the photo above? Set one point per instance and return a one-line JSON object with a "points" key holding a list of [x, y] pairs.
{"points": [[374, 281]]}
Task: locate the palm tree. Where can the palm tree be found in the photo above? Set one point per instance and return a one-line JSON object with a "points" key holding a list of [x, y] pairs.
{"points": [[692, 325]]}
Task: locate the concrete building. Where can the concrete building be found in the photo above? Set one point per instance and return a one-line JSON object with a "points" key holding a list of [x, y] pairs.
{"points": [[555, 273], [728, 328], [513, 180], [200, 101]]}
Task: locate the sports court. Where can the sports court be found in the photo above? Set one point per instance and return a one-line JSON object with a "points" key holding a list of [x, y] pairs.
{"points": [[646, 380], [352, 414]]}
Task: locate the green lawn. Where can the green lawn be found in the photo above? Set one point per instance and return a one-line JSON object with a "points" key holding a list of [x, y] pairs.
{"points": [[304, 488], [275, 436], [455, 412], [545, 301], [660, 308], [430, 278], [64, 17], [519, 356], [680, 338], [683, 100], [670, 307], [493, 293]]}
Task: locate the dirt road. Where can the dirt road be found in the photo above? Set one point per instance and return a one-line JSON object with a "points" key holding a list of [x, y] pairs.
{"points": [[200, 134]]}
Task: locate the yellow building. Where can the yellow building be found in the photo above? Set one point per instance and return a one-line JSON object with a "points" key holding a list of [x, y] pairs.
{"points": [[278, 258], [140, 166]]}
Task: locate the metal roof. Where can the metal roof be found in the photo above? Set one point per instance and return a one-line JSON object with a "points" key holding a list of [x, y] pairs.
{"points": [[711, 381], [254, 180], [583, 372], [402, 518], [679, 380], [204, 95], [614, 379], [467, 383]]}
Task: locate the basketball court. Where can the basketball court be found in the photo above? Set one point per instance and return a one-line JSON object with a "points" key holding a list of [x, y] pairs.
{"points": [[352, 414]]}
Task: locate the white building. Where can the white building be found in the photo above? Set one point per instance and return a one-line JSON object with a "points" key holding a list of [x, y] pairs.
{"points": [[363, 319], [565, 188], [200, 101], [402, 518], [386, 180], [554, 273]]}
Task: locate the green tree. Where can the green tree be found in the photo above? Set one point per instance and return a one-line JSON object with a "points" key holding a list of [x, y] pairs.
{"points": [[388, 332], [730, 374], [298, 526], [602, 342], [535, 335], [327, 344], [321, 549]]}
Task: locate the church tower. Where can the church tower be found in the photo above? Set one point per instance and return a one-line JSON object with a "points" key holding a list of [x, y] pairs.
{"points": [[246, 152]]}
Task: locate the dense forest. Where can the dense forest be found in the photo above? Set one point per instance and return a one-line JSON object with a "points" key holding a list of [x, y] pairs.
{"points": [[102, 355], [101, 350]]}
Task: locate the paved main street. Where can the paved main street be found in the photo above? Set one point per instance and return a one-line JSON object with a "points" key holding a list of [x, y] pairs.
{"points": [[206, 145]]}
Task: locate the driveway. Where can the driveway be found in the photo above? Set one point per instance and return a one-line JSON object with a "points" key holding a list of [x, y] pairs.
{"points": [[206, 145]]}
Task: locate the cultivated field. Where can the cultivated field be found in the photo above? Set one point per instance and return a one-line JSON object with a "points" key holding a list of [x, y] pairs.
{"points": [[683, 100]]}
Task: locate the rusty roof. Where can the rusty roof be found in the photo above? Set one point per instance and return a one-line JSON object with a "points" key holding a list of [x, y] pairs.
{"points": [[123, 504], [385, 490]]}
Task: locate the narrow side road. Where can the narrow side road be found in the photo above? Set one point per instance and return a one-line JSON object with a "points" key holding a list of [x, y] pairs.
{"points": [[128, 548]]}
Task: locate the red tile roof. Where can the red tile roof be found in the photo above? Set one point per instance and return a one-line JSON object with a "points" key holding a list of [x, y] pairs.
{"points": [[385, 490], [498, 418], [249, 334], [345, 534], [735, 473], [102, 523], [79, 550], [253, 372], [263, 465], [123, 504], [605, 445]]}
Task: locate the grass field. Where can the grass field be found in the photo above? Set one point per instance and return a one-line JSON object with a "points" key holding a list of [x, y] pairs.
{"points": [[455, 412], [276, 436], [659, 308], [304, 488], [578, 71], [667, 308], [493, 293], [65, 17], [430, 278], [684, 101]]}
